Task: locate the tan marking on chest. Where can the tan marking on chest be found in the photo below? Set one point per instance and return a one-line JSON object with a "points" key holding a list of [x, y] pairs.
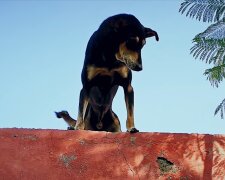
{"points": [[123, 71], [93, 71]]}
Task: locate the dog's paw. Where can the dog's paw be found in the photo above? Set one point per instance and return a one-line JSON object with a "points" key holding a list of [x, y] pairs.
{"points": [[61, 114], [70, 128], [133, 130]]}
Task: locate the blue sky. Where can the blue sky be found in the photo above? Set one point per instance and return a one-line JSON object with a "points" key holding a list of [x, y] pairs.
{"points": [[42, 51]]}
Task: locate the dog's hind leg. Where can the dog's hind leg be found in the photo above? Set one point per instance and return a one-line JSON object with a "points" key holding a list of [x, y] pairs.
{"points": [[116, 123], [97, 101], [83, 103]]}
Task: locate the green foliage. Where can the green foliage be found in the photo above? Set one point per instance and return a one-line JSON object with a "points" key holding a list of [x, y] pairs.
{"points": [[216, 74], [209, 45], [209, 50]]}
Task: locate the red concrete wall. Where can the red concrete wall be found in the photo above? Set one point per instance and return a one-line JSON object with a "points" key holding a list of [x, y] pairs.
{"points": [[29, 154]]}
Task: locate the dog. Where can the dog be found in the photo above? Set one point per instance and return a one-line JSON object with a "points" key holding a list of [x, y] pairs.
{"points": [[112, 53]]}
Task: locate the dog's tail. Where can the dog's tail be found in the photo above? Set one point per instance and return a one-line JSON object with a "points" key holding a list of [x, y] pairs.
{"points": [[69, 120]]}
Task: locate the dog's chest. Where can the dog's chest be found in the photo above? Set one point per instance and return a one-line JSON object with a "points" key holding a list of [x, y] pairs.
{"points": [[94, 72]]}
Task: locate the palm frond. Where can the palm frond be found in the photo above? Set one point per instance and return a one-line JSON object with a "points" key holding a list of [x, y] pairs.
{"points": [[206, 10], [221, 109], [214, 31], [209, 50], [216, 74]]}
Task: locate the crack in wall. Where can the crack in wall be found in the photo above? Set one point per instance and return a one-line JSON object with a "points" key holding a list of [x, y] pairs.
{"points": [[119, 142], [126, 161]]}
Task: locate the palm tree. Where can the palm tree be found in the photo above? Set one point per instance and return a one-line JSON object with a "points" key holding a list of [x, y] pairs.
{"points": [[209, 46]]}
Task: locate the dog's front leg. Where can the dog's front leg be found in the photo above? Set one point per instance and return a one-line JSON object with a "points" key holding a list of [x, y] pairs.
{"points": [[129, 99], [83, 102]]}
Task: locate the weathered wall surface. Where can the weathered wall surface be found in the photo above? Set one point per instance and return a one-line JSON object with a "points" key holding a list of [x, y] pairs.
{"points": [[29, 154]]}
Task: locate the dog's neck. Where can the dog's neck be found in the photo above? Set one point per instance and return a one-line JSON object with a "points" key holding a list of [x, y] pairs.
{"points": [[101, 50]]}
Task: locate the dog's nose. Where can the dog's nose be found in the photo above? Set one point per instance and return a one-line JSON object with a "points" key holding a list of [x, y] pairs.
{"points": [[138, 67]]}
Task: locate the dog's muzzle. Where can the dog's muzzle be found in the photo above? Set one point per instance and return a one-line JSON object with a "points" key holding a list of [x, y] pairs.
{"points": [[131, 58], [138, 67]]}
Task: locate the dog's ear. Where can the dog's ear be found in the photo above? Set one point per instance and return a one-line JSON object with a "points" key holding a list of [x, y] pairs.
{"points": [[149, 33]]}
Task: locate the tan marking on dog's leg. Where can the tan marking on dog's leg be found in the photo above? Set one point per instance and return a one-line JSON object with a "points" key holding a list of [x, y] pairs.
{"points": [[130, 120], [66, 117], [80, 123], [117, 127], [70, 121], [85, 107], [81, 116], [83, 102], [129, 99], [87, 117]]}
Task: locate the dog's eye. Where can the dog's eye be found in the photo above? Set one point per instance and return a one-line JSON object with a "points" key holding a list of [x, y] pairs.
{"points": [[135, 39], [134, 43]]}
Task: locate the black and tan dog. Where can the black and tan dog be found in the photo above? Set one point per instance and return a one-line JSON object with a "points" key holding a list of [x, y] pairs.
{"points": [[112, 52]]}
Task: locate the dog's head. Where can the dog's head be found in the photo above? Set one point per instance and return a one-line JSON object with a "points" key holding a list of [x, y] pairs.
{"points": [[129, 36]]}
